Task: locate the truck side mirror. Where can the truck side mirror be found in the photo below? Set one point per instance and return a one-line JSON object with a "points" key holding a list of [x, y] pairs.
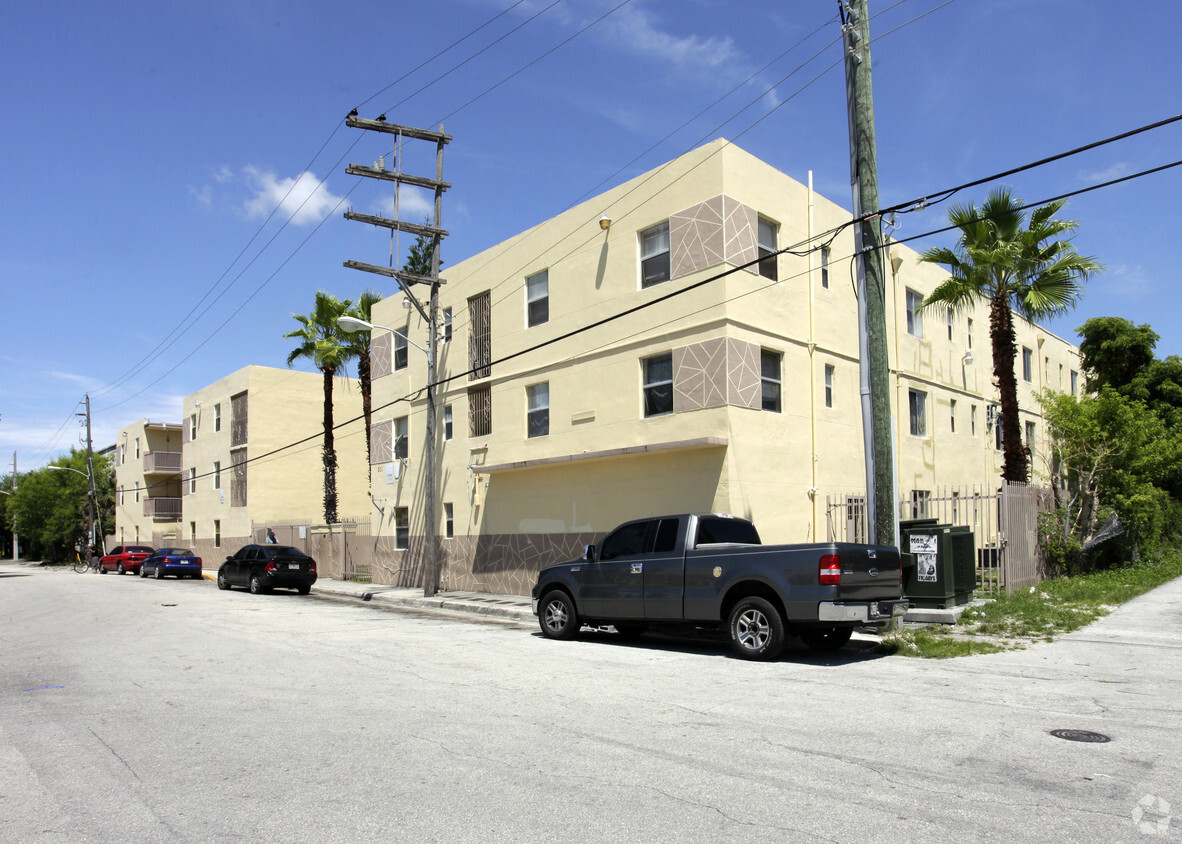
{"points": [[589, 553]]}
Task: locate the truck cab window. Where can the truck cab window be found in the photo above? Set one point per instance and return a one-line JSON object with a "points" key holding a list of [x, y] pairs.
{"points": [[666, 537], [626, 541], [714, 530]]}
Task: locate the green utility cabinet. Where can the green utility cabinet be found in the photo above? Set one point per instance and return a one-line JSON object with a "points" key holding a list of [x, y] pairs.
{"points": [[939, 563]]}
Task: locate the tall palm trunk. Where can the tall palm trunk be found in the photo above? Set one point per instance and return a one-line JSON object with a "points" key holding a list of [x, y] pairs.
{"points": [[330, 454], [1015, 467], [363, 375]]}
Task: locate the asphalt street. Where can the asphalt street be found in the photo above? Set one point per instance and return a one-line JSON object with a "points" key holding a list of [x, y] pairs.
{"points": [[137, 710]]}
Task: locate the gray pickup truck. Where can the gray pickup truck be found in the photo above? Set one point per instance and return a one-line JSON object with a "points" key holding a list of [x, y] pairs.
{"points": [[711, 570]]}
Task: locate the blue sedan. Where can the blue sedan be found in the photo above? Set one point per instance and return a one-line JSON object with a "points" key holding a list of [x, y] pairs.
{"points": [[179, 562]]}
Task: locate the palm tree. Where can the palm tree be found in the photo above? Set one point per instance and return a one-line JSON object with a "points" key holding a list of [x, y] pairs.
{"points": [[323, 343], [360, 347], [1012, 266]]}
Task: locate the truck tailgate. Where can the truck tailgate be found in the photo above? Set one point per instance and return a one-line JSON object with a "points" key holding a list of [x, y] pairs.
{"points": [[869, 572]]}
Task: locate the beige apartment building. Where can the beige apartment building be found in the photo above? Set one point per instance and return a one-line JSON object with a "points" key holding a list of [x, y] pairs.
{"points": [[611, 363], [147, 464], [247, 456]]}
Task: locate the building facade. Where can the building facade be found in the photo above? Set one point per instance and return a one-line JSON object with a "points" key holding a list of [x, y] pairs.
{"points": [[147, 463], [647, 352]]}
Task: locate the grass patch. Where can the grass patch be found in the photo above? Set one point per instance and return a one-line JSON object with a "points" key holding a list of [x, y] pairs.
{"points": [[1037, 614]]}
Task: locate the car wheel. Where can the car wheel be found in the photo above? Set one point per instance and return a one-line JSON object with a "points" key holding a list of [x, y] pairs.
{"points": [[256, 585], [557, 616], [159, 573], [121, 569], [756, 629], [826, 638], [102, 569], [304, 590], [222, 582], [143, 572]]}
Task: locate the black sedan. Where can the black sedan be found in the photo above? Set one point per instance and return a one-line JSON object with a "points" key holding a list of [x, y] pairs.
{"points": [[261, 568], [180, 562]]}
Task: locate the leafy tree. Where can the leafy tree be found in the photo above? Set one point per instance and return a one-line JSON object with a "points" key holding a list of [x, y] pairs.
{"points": [[50, 507], [1117, 354], [1113, 456], [329, 348], [1012, 266], [418, 259]]}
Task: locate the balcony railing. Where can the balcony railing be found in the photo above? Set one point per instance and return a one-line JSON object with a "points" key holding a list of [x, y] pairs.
{"points": [[162, 508], [162, 463]]}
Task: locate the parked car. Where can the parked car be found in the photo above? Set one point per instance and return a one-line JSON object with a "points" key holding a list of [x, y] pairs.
{"points": [[125, 558], [261, 568], [179, 562]]}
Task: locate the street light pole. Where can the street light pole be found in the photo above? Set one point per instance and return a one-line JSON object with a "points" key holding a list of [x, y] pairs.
{"points": [[89, 495], [352, 324]]}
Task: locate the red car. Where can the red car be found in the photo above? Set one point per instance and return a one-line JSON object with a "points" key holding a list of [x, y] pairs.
{"points": [[125, 558]]}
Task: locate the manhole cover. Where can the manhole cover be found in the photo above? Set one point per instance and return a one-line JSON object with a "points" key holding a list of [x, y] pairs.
{"points": [[1081, 735]]}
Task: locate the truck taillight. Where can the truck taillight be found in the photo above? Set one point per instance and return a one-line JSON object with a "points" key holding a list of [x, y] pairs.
{"points": [[829, 573]]}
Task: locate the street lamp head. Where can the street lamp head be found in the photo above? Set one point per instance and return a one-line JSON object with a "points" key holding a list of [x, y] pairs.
{"points": [[67, 469], [353, 324]]}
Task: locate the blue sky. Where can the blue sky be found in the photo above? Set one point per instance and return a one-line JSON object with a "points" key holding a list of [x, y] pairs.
{"points": [[145, 145]]}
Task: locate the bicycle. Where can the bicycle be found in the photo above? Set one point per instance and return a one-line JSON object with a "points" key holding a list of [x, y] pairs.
{"points": [[81, 563]]}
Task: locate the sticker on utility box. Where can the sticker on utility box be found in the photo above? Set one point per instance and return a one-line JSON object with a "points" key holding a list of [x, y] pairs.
{"points": [[923, 546]]}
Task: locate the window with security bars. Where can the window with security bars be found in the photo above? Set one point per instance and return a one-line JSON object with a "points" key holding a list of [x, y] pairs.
{"points": [[238, 417], [401, 528], [479, 411], [480, 338], [238, 477]]}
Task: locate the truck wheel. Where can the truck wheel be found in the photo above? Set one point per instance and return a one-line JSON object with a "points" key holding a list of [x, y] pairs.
{"points": [[756, 629], [557, 615], [826, 638]]}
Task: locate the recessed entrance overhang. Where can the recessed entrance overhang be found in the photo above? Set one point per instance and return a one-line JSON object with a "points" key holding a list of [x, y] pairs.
{"points": [[606, 454]]}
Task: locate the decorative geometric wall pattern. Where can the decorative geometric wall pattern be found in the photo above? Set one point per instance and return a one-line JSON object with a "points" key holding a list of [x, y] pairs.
{"points": [[379, 354], [716, 373], [381, 445], [719, 230]]}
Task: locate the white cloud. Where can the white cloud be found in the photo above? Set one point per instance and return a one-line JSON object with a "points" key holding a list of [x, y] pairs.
{"points": [[304, 199], [413, 205], [1116, 171], [633, 29]]}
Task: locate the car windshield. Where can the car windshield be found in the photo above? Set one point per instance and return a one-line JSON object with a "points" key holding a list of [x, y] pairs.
{"points": [[139, 549], [175, 552]]}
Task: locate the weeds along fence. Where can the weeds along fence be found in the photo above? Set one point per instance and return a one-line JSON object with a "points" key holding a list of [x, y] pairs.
{"points": [[1004, 524]]}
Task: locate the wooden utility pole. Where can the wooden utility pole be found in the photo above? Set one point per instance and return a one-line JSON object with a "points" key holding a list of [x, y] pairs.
{"points": [[875, 366], [90, 496], [405, 281]]}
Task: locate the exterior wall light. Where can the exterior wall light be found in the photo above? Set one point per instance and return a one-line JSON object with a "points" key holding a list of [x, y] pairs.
{"points": [[605, 222]]}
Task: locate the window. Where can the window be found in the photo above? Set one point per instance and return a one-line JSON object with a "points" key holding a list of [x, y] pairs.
{"points": [[825, 267], [658, 385], [973, 420], [217, 417], [537, 298], [950, 324], [952, 415], [401, 444], [767, 249], [193, 427], [627, 541], [137, 448], [479, 411], [193, 531], [969, 332], [917, 404], [217, 533], [446, 325], [447, 422], [480, 335], [1030, 438], [449, 521], [122, 454], [401, 528], [400, 350], [192, 480], [239, 480], [1074, 383], [769, 379], [829, 372], [137, 491], [914, 314], [537, 410], [217, 474], [122, 498], [654, 255], [1027, 362], [920, 501]]}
